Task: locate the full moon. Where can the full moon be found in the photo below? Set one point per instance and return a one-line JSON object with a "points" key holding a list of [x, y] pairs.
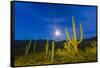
{"points": [[57, 32]]}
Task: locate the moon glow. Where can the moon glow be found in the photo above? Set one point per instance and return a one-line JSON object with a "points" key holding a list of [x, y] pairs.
{"points": [[57, 33]]}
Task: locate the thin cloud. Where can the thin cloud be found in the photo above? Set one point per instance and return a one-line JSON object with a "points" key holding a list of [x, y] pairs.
{"points": [[54, 20]]}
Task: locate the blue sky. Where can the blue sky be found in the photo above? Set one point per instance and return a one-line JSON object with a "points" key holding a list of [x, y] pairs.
{"points": [[40, 21]]}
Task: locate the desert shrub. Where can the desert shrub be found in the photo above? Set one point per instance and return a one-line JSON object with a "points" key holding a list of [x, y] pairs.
{"points": [[61, 55]]}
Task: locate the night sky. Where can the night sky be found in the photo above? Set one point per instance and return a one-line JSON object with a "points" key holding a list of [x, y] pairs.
{"points": [[40, 21]]}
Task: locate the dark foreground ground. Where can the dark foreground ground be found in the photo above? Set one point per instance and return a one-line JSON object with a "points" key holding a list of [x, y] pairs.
{"points": [[87, 52]]}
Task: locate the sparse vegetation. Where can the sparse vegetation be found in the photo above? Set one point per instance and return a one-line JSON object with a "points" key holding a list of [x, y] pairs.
{"points": [[72, 51], [65, 55]]}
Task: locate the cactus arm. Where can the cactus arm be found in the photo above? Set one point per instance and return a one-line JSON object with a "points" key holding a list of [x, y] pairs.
{"points": [[35, 45], [28, 48], [47, 47], [52, 52], [74, 29], [68, 36], [81, 34], [49, 54]]}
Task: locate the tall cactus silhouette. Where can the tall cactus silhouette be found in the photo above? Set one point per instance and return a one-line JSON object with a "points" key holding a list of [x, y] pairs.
{"points": [[28, 47], [47, 47], [49, 54], [74, 41], [52, 52], [35, 45]]}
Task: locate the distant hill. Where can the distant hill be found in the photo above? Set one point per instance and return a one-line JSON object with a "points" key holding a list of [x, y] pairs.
{"points": [[20, 45]]}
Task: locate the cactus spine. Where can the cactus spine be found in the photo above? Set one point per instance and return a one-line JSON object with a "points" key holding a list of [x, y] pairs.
{"points": [[35, 45], [28, 47], [74, 41], [47, 46], [52, 52]]}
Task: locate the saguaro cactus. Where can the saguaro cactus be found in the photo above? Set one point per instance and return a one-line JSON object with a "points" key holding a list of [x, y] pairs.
{"points": [[28, 47], [74, 41], [49, 54], [47, 47], [35, 45], [52, 52]]}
